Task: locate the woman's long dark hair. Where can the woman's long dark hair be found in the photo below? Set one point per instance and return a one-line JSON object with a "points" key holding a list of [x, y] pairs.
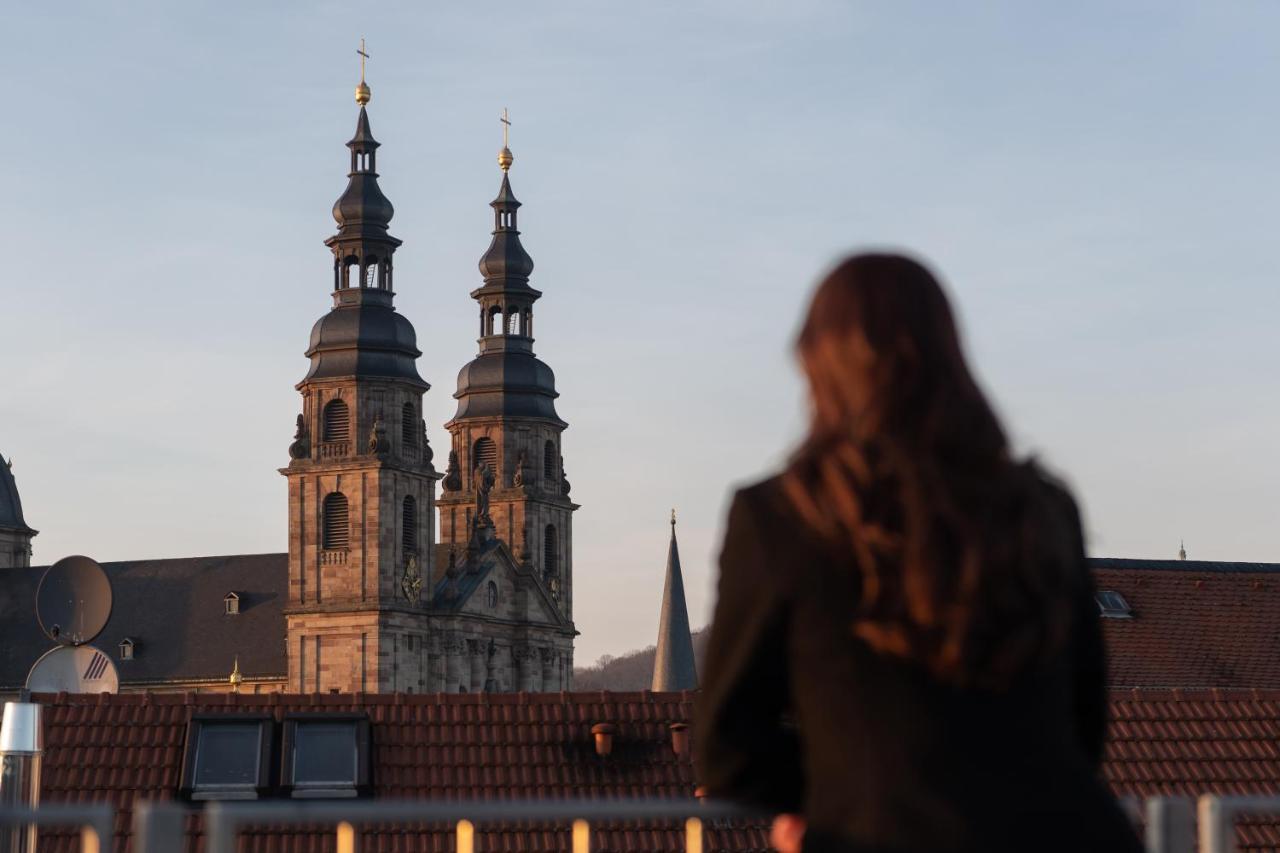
{"points": [[964, 559]]}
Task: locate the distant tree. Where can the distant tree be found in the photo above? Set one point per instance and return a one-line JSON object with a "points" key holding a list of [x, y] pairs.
{"points": [[631, 671]]}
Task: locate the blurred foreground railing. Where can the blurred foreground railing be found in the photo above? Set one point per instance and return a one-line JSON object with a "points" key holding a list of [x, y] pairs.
{"points": [[1171, 825], [158, 827], [18, 826]]}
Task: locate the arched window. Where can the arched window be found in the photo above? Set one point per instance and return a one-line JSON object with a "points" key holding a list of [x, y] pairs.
{"points": [[491, 598], [409, 535], [337, 421], [352, 276], [485, 451], [550, 551], [336, 531], [549, 461], [513, 323], [495, 320], [371, 275], [409, 427]]}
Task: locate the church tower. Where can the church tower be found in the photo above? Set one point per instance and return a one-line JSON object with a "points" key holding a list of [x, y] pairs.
{"points": [[506, 478], [15, 535], [361, 480]]}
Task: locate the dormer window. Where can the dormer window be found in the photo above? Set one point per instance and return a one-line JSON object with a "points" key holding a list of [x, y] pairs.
{"points": [[325, 755], [1112, 605], [231, 604], [126, 649], [228, 757]]}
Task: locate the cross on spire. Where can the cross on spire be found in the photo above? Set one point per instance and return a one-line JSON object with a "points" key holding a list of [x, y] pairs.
{"points": [[506, 126], [363, 57]]}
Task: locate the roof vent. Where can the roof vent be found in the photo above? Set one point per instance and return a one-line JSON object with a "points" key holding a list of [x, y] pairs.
{"points": [[231, 603], [1112, 605], [603, 734]]}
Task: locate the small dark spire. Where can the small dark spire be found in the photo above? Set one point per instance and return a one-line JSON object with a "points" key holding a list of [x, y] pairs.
{"points": [[673, 664]]}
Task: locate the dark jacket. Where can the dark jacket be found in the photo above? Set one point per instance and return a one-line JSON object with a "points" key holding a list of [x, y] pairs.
{"points": [[797, 715]]}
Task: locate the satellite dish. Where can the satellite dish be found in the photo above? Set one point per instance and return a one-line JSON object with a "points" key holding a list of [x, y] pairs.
{"points": [[74, 669], [73, 601]]}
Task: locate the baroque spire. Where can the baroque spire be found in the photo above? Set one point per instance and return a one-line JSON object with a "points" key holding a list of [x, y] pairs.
{"points": [[673, 664]]}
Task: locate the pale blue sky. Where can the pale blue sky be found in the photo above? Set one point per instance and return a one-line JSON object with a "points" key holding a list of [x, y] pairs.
{"points": [[1099, 183]]}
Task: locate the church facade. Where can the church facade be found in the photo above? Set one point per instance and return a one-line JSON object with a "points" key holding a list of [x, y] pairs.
{"points": [[371, 597]]}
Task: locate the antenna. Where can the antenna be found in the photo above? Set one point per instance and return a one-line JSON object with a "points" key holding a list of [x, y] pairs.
{"points": [[73, 604], [73, 669], [73, 600]]}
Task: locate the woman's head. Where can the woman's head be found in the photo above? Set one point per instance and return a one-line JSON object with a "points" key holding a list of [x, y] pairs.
{"points": [[882, 356], [962, 561]]}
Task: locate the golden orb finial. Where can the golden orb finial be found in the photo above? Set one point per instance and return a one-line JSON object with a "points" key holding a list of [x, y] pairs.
{"points": [[362, 90], [505, 157]]}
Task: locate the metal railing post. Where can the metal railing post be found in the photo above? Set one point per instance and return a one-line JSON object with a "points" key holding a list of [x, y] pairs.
{"points": [[581, 836], [158, 827], [1217, 834], [466, 837], [97, 823], [693, 835], [1170, 825]]}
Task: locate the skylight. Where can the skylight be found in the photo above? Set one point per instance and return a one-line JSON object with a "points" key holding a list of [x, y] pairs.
{"points": [[1112, 605]]}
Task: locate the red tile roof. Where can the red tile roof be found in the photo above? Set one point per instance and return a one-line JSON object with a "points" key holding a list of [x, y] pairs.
{"points": [[1194, 624], [1184, 743], [126, 748], [129, 747]]}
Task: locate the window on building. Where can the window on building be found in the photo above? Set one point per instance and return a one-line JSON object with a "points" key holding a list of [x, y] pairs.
{"points": [[336, 532], [550, 550], [495, 320], [337, 421], [492, 596], [409, 425], [485, 451], [325, 755], [409, 527], [549, 461], [126, 649], [231, 604], [1113, 605], [227, 757], [513, 323]]}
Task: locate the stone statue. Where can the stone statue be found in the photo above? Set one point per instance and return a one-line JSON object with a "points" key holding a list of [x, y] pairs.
{"points": [[518, 479], [378, 444], [301, 448], [484, 480], [564, 479], [427, 453], [452, 476]]}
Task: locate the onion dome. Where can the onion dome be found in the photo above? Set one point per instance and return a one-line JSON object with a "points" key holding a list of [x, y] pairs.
{"points": [[363, 335], [506, 260], [362, 210], [10, 503]]}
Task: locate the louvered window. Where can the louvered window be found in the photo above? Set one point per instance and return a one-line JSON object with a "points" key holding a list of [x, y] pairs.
{"points": [[409, 427], [549, 460], [337, 529], [409, 537], [550, 551], [337, 421], [485, 452]]}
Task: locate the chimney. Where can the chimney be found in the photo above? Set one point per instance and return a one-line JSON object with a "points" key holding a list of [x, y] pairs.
{"points": [[21, 745], [603, 734], [680, 739]]}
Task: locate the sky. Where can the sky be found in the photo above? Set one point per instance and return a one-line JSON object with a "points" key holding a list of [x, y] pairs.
{"points": [[1097, 183]]}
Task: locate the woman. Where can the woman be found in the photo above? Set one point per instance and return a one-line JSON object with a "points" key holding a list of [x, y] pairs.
{"points": [[906, 654]]}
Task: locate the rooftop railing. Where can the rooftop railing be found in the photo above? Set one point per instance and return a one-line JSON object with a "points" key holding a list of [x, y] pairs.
{"points": [[1171, 825]]}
